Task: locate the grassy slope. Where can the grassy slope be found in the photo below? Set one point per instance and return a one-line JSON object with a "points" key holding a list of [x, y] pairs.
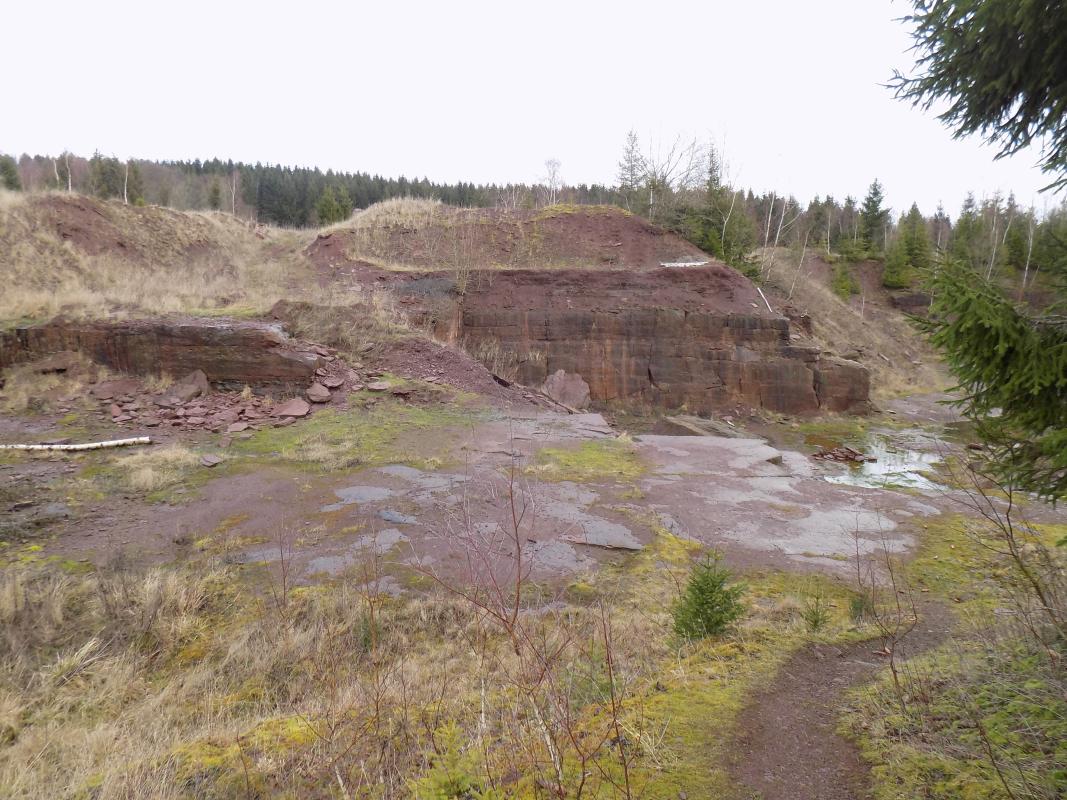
{"points": [[77, 255], [868, 323]]}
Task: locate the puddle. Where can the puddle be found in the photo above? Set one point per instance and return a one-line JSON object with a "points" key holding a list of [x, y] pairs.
{"points": [[897, 465]]}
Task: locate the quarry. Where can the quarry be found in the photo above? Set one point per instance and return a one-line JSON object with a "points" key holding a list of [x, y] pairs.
{"points": [[376, 446]]}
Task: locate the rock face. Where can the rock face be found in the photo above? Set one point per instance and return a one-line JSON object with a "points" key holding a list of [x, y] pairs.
{"points": [[228, 352], [694, 338]]}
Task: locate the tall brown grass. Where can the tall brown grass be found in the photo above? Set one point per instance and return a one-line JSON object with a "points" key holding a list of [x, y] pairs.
{"points": [[146, 260]]}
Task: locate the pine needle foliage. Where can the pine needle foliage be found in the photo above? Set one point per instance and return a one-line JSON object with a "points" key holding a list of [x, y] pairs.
{"points": [[1012, 367], [708, 604], [1001, 66], [454, 772]]}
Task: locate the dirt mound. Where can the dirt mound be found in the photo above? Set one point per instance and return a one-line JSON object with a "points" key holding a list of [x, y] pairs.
{"points": [[80, 256], [426, 235], [355, 330], [85, 225]]}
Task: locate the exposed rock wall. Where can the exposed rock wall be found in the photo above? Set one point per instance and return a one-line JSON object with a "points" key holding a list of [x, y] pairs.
{"points": [[234, 352], [677, 338]]}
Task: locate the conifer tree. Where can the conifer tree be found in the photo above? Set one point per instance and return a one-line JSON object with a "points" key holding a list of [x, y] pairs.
{"points": [[9, 174], [632, 170], [214, 195], [1008, 358], [874, 218], [327, 208]]}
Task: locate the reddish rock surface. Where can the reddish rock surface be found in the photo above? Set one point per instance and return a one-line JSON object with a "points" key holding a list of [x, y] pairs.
{"points": [[570, 390], [698, 338], [227, 351]]}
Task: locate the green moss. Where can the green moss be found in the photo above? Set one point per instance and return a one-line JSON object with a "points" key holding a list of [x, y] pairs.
{"points": [[333, 439], [974, 697], [598, 460], [953, 564], [699, 697], [979, 692], [834, 431]]}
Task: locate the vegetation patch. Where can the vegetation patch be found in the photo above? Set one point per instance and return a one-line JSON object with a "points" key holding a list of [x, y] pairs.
{"points": [[388, 433], [156, 473], [563, 209], [597, 460], [985, 715]]}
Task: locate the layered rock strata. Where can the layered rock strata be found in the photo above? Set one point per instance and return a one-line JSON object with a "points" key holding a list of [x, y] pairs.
{"points": [[228, 351], [701, 339]]}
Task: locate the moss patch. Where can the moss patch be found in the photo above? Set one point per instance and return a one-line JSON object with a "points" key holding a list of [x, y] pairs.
{"points": [[991, 690], [563, 209], [389, 433], [599, 460]]}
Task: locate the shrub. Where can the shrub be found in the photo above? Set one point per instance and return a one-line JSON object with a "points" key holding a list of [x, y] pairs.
{"points": [[815, 614], [708, 605], [844, 283]]}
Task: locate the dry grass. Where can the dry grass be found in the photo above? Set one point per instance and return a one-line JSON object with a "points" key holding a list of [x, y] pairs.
{"points": [[125, 260], [190, 683], [27, 390], [154, 469], [411, 213]]}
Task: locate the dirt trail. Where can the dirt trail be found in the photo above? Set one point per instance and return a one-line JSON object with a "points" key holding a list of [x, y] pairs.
{"points": [[788, 747]]}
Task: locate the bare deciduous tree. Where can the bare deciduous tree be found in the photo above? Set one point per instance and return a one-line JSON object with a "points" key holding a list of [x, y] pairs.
{"points": [[682, 166], [552, 182]]}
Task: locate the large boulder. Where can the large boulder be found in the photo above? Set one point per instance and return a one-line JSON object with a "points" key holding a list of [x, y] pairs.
{"points": [[842, 385], [567, 388], [195, 384]]}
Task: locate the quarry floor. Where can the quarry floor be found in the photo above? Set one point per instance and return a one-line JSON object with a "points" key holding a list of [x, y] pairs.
{"points": [[445, 497], [590, 494]]}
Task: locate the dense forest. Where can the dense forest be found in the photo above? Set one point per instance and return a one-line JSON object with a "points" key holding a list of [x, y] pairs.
{"points": [[684, 190]]}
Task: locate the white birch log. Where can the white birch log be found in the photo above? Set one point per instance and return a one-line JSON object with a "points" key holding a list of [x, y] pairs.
{"points": [[87, 446]]}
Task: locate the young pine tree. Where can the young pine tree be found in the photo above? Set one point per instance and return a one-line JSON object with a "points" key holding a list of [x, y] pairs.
{"points": [[214, 195], [874, 218], [910, 252], [327, 208], [9, 174]]}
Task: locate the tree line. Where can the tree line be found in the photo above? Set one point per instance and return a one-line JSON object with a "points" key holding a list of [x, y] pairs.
{"points": [[269, 193], [683, 186]]}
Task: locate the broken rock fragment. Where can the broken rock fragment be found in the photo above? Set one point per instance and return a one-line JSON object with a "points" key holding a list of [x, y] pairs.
{"points": [[293, 408], [195, 384], [317, 393]]}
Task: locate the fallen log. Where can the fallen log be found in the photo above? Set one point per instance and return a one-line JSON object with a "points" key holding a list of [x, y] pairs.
{"points": [[86, 446]]}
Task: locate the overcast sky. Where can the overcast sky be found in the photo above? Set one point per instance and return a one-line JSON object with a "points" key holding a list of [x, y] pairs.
{"points": [[791, 92]]}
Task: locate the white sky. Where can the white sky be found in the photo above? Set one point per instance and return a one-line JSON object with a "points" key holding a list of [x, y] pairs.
{"points": [[486, 91]]}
